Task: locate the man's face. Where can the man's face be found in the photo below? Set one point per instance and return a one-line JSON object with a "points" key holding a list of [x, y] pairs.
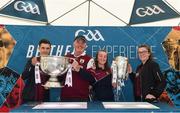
{"points": [[79, 46], [44, 49]]}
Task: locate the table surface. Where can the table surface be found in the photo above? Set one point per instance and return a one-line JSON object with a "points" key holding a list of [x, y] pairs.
{"points": [[98, 107]]}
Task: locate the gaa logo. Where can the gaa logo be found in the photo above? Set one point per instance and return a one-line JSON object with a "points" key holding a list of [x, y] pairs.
{"points": [[28, 7], [149, 11], [90, 35]]}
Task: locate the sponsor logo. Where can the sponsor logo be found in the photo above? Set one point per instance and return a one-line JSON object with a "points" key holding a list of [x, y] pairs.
{"points": [[28, 7], [149, 11], [90, 35]]}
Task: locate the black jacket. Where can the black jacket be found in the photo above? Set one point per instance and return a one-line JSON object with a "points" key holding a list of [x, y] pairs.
{"points": [[102, 89], [28, 76], [152, 80]]}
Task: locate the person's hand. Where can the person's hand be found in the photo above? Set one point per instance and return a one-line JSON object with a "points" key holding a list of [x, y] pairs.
{"points": [[90, 87], [75, 66], [114, 85], [34, 61], [129, 68], [46, 88], [150, 96], [94, 67]]}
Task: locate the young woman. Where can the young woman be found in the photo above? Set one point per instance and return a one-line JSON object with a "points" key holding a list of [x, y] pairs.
{"points": [[100, 77], [148, 80]]}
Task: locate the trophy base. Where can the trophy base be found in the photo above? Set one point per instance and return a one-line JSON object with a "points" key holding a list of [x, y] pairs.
{"points": [[52, 85]]}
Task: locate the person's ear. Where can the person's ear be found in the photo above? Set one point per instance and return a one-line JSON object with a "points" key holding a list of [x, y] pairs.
{"points": [[86, 46], [74, 44], [38, 47]]}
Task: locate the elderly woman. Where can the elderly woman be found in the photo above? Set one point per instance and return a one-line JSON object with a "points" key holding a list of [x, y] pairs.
{"points": [[148, 80]]}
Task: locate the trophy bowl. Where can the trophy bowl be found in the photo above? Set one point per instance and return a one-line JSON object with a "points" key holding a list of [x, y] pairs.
{"points": [[54, 66]]}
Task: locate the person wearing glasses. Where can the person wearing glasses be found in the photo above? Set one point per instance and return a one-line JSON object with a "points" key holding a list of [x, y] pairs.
{"points": [[148, 81]]}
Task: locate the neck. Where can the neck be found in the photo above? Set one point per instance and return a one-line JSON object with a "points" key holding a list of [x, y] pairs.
{"points": [[144, 61], [101, 66], [77, 53]]}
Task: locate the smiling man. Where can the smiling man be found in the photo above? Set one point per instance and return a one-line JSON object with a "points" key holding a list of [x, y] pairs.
{"points": [[77, 89], [34, 78]]}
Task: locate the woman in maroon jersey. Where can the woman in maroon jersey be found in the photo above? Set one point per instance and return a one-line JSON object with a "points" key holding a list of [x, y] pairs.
{"points": [[100, 77]]}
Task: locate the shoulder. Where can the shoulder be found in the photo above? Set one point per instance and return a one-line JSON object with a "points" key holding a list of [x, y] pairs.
{"points": [[87, 57], [68, 55], [153, 63], [32, 60], [29, 60], [109, 71], [91, 70]]}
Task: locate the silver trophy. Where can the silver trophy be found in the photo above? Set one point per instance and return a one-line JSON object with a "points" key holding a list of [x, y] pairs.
{"points": [[121, 63], [119, 73], [54, 66]]}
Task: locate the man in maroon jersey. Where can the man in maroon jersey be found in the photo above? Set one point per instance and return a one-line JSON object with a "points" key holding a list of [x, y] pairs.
{"points": [[79, 90]]}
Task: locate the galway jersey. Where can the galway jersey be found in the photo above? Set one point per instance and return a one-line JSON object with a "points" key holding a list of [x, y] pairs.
{"points": [[80, 86]]}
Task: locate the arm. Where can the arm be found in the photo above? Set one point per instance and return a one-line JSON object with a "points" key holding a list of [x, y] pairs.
{"points": [[90, 64], [27, 70], [160, 82], [132, 76], [87, 75], [130, 72]]}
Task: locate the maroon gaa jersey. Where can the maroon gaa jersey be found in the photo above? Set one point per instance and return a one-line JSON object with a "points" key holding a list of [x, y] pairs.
{"points": [[80, 87]]}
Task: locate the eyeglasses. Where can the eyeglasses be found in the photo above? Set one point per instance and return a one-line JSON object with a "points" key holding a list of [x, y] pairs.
{"points": [[142, 52]]}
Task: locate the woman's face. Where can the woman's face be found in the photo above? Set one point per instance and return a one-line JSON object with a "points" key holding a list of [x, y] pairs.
{"points": [[102, 57], [143, 54]]}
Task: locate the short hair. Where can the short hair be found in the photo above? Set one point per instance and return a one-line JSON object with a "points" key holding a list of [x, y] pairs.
{"points": [[45, 41], [80, 37], [148, 48]]}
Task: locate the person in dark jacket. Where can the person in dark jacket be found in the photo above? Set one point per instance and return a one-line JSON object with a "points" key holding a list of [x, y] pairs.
{"points": [[34, 78], [148, 81], [100, 77]]}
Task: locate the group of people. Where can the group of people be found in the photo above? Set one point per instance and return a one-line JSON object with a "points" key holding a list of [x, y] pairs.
{"points": [[92, 75]]}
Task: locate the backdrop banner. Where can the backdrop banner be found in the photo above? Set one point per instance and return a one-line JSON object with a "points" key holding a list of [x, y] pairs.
{"points": [[115, 40]]}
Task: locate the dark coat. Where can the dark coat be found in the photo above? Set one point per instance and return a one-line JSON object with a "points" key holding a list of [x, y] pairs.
{"points": [[28, 76], [152, 80], [102, 88]]}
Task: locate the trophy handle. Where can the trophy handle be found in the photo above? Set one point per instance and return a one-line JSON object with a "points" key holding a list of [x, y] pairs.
{"points": [[68, 67]]}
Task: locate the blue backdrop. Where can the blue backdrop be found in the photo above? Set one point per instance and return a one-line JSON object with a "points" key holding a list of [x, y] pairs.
{"points": [[116, 40]]}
